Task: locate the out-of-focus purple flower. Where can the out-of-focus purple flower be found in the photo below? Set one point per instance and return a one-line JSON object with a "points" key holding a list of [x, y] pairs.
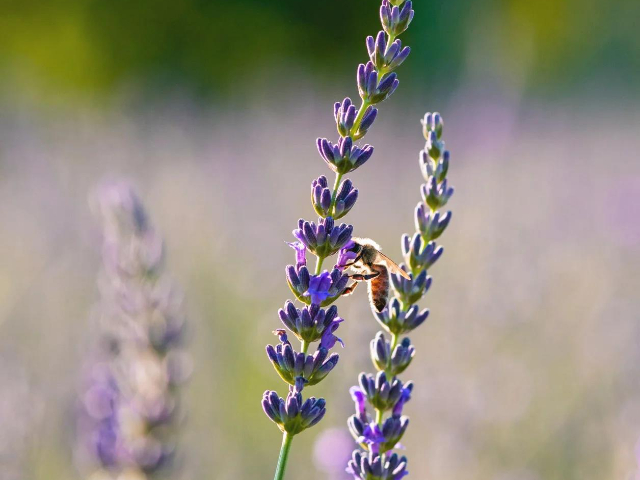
{"points": [[128, 409], [385, 392], [331, 452]]}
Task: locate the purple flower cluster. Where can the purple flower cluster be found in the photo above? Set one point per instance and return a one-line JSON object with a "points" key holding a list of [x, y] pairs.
{"points": [[376, 81], [385, 393], [129, 404]]}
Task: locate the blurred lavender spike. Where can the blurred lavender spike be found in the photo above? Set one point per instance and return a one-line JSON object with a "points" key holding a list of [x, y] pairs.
{"points": [[384, 392], [129, 406]]}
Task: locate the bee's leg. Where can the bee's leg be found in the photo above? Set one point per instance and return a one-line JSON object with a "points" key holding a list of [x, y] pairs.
{"points": [[350, 289], [355, 260], [358, 277]]}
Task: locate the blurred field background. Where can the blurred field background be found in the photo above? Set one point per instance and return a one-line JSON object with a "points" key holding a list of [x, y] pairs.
{"points": [[527, 368]]}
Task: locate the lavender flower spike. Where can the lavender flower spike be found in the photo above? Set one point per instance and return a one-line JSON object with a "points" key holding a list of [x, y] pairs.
{"points": [[317, 289], [129, 403], [384, 392]]}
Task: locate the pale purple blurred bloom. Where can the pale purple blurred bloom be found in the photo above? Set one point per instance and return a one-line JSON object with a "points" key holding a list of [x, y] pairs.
{"points": [[331, 453], [128, 406]]}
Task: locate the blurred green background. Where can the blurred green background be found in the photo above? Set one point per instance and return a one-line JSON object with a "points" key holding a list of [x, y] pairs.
{"points": [[527, 367]]}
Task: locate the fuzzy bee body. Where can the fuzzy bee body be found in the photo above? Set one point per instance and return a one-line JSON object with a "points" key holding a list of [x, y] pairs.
{"points": [[373, 267]]}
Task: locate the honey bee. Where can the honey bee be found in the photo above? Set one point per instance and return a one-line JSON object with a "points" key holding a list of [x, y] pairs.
{"points": [[373, 267]]}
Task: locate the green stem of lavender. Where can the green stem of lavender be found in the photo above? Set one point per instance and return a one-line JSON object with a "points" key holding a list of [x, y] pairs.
{"points": [[336, 184], [284, 455]]}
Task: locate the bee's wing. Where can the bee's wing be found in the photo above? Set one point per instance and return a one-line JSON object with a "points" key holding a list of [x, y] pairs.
{"points": [[393, 266]]}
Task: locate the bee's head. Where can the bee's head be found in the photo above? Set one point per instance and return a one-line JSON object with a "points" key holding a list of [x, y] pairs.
{"points": [[355, 248]]}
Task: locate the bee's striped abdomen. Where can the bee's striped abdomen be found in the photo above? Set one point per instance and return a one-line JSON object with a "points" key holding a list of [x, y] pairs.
{"points": [[379, 288]]}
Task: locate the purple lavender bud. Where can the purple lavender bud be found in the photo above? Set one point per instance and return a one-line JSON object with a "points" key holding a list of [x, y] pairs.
{"points": [[432, 122], [367, 120], [345, 199], [321, 196], [395, 320], [338, 283], [308, 324], [383, 56], [291, 414], [324, 239], [343, 157], [395, 20], [398, 56], [417, 257], [392, 431], [380, 352], [381, 393], [434, 167], [320, 290], [434, 146], [405, 396], [369, 466], [402, 356], [372, 90], [295, 367], [345, 114], [411, 291], [434, 194], [430, 224]]}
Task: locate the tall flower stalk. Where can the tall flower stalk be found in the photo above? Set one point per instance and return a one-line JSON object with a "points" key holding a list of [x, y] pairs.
{"points": [[318, 320], [384, 393], [130, 403]]}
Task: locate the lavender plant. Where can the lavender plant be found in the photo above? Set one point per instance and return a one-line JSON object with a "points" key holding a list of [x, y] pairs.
{"points": [[384, 392], [130, 403], [318, 320]]}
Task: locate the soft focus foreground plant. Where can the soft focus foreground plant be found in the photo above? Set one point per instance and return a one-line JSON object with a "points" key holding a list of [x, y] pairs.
{"points": [[376, 82], [385, 392], [129, 406]]}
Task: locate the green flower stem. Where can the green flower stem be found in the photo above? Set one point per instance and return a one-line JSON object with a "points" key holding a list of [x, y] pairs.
{"points": [[336, 184], [305, 346], [356, 122], [319, 261], [379, 417], [284, 455], [394, 343]]}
